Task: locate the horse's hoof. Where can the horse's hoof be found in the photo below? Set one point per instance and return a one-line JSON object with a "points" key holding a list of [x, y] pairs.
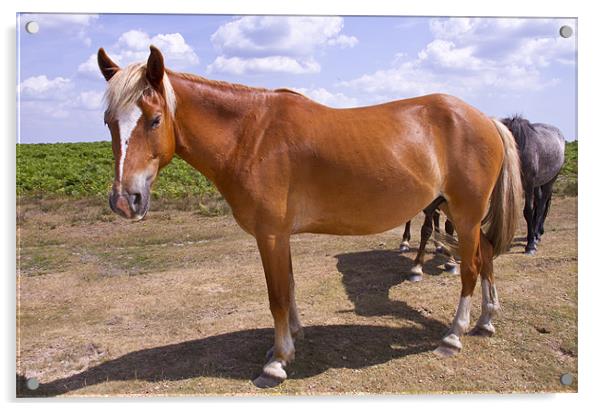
{"points": [[450, 345], [439, 250], [404, 248], [414, 278], [445, 351], [266, 381], [451, 268], [482, 331], [416, 270], [272, 375], [530, 251]]}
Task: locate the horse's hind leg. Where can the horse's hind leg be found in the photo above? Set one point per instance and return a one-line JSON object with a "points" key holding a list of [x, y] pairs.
{"points": [[540, 229], [528, 213], [436, 222], [468, 237], [489, 304], [542, 207], [405, 239]]}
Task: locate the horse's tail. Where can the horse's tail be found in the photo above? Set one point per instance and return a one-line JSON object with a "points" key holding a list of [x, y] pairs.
{"points": [[505, 205]]}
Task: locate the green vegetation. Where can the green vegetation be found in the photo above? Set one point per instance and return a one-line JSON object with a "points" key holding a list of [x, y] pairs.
{"points": [[567, 180], [570, 160], [86, 170]]}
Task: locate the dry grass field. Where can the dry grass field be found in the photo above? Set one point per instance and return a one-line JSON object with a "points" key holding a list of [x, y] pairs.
{"points": [[177, 305]]}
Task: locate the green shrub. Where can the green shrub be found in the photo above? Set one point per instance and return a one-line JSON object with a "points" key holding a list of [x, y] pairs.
{"points": [[566, 184], [87, 169]]}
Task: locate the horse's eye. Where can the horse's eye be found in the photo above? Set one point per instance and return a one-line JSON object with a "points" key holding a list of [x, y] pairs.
{"points": [[156, 121]]}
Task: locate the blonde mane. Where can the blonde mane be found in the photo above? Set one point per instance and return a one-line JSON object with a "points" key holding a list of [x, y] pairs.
{"points": [[128, 85]]}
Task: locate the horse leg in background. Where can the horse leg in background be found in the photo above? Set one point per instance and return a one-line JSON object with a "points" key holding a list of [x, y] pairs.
{"points": [[538, 207], [544, 204], [405, 240], [449, 227], [451, 265], [528, 213], [436, 219], [470, 266], [275, 257], [294, 321], [540, 230], [425, 233], [489, 303]]}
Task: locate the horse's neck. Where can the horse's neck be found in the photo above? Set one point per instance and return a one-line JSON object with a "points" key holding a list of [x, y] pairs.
{"points": [[209, 120]]}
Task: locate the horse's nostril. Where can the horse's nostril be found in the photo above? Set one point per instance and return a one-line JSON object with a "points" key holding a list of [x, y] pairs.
{"points": [[135, 201]]}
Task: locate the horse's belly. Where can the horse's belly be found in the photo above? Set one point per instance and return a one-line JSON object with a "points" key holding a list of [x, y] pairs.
{"points": [[362, 209]]}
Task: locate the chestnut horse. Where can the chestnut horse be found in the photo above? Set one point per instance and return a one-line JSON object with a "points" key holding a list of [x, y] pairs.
{"points": [[286, 164]]}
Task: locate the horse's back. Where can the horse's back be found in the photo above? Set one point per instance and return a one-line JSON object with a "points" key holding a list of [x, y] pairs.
{"points": [[547, 151], [384, 162]]}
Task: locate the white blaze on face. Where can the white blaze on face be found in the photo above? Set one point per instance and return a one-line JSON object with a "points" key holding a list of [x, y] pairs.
{"points": [[127, 122]]}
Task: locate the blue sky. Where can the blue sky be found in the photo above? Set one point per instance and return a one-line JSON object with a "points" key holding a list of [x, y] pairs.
{"points": [[501, 66]]}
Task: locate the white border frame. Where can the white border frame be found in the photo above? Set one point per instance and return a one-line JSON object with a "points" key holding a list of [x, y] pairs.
{"points": [[589, 32]]}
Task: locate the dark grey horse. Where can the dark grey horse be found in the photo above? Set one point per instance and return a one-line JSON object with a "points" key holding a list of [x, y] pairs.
{"points": [[541, 148]]}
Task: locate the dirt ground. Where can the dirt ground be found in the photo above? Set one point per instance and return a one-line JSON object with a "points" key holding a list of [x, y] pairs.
{"points": [[177, 305]]}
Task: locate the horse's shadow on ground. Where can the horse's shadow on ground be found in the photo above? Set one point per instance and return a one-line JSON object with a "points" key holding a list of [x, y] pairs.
{"points": [[367, 277]]}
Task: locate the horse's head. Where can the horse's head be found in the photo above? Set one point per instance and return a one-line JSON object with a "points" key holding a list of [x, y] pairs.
{"points": [[140, 108]]}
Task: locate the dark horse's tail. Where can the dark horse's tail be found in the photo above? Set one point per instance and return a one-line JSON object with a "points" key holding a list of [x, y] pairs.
{"points": [[505, 205]]}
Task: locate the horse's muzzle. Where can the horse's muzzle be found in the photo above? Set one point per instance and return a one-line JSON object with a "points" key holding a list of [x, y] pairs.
{"points": [[133, 206]]}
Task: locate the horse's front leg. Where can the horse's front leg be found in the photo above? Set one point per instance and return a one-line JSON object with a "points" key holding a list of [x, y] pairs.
{"points": [[293, 318], [275, 256]]}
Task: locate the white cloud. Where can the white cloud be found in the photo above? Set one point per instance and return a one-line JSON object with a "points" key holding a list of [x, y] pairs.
{"points": [[251, 40], [90, 67], [238, 66], [469, 56], [276, 35], [323, 96], [444, 53], [508, 39], [343, 41], [57, 97], [43, 88], [543, 51], [415, 78], [89, 100], [133, 46]]}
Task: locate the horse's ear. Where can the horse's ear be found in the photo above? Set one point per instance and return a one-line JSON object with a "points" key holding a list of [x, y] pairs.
{"points": [[108, 67], [155, 68]]}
